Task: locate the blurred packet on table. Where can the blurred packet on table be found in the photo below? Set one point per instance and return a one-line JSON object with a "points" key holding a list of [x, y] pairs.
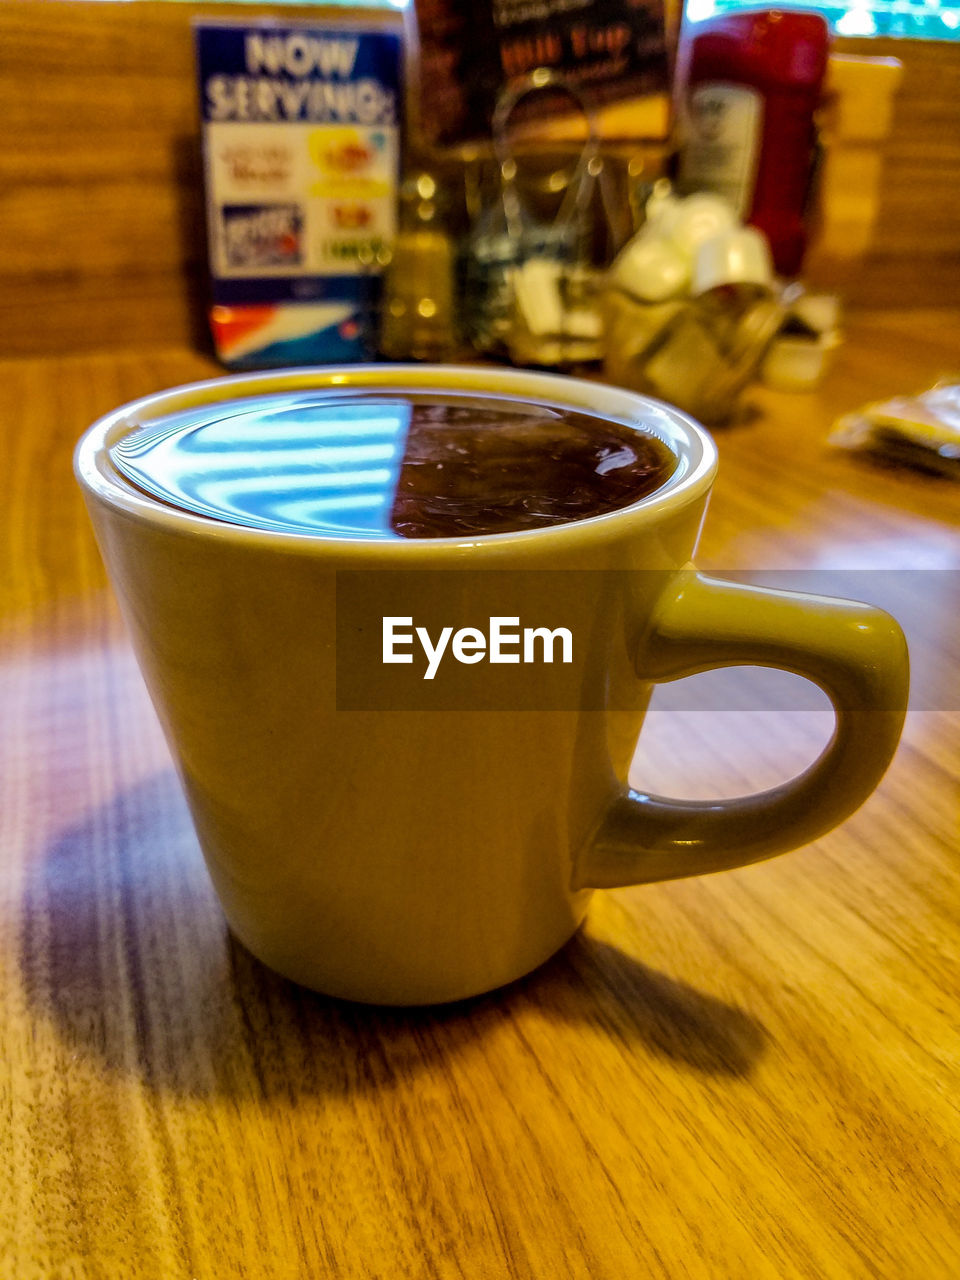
{"points": [[301, 126], [922, 431]]}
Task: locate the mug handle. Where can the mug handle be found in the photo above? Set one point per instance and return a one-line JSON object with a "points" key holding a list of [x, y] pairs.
{"points": [[855, 653]]}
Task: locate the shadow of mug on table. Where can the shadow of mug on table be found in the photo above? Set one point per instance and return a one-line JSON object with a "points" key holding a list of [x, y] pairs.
{"points": [[125, 953]]}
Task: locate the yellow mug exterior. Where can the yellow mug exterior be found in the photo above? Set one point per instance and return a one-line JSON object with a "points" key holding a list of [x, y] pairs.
{"points": [[411, 856]]}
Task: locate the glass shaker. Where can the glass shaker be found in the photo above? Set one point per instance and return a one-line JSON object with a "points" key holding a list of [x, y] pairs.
{"points": [[417, 306]]}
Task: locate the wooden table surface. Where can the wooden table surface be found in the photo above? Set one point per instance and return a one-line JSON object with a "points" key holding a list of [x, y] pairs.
{"points": [[748, 1075]]}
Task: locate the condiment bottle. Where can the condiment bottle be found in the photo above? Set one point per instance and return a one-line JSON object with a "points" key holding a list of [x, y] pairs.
{"points": [[751, 88]]}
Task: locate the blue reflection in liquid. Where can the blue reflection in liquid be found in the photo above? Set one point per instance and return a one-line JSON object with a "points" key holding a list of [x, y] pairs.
{"points": [[291, 462]]}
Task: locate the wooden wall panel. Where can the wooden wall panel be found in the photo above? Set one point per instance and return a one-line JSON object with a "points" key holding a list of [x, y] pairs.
{"points": [[101, 220], [915, 258]]}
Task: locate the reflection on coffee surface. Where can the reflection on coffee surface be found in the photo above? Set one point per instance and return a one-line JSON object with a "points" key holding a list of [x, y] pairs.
{"points": [[430, 465]]}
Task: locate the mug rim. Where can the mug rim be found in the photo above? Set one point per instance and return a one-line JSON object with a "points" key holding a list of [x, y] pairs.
{"points": [[689, 442]]}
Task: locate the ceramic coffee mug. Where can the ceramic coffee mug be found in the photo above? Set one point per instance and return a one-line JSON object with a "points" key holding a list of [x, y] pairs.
{"points": [[407, 856]]}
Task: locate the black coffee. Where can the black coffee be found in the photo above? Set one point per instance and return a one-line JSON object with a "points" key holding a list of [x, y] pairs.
{"points": [[431, 465], [473, 470]]}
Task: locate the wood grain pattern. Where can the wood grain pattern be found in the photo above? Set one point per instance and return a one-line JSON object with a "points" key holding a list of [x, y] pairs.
{"points": [[751, 1075], [919, 213], [915, 257]]}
